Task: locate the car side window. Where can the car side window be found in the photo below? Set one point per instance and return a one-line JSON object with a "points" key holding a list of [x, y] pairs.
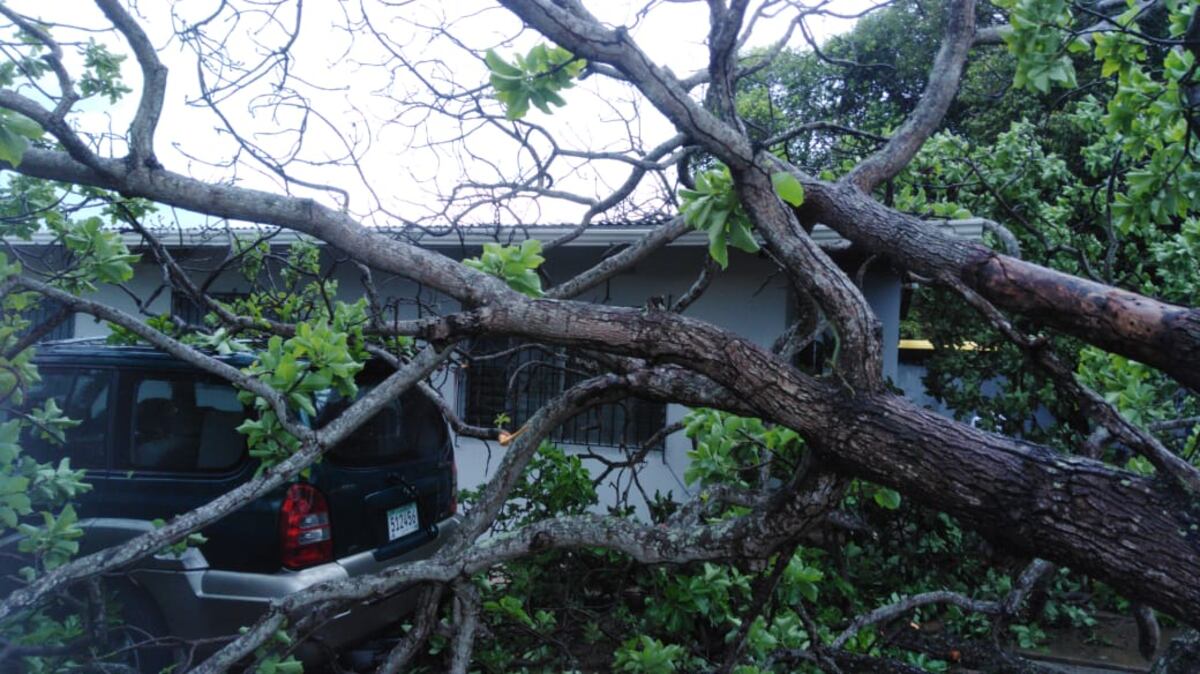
{"points": [[83, 395], [184, 424]]}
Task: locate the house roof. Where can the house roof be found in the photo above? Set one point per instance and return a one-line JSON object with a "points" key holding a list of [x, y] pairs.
{"points": [[596, 235]]}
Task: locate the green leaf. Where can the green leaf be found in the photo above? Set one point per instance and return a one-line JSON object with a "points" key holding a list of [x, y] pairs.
{"points": [[505, 84], [788, 188], [518, 108], [517, 265], [717, 246], [499, 66], [887, 498], [22, 125], [535, 79], [12, 147], [741, 238], [539, 101]]}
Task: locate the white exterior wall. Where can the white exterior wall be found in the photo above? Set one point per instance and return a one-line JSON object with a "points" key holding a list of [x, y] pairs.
{"points": [[750, 297], [745, 297]]}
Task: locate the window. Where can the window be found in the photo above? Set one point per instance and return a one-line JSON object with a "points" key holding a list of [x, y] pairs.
{"points": [[45, 309], [184, 424], [513, 378], [82, 395], [189, 312], [409, 428]]}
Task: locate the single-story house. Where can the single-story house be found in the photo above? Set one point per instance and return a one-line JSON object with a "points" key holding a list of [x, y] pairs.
{"points": [[750, 297]]}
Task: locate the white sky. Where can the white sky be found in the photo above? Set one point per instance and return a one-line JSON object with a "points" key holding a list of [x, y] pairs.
{"points": [[407, 154]]}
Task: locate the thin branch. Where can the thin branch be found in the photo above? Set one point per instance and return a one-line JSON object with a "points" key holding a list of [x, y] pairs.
{"points": [[154, 83], [615, 264], [426, 617], [907, 605], [708, 271]]}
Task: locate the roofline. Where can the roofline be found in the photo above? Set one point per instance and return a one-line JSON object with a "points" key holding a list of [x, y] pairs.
{"points": [[475, 236]]}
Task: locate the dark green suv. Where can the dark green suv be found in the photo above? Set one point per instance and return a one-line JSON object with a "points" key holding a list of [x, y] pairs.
{"points": [[158, 437]]}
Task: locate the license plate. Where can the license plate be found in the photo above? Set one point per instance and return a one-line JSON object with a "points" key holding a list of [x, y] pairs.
{"points": [[402, 521]]}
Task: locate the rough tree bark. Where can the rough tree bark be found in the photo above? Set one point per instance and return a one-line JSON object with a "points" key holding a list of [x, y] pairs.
{"points": [[1138, 534]]}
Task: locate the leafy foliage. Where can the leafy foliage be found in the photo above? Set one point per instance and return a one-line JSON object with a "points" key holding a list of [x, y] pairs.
{"points": [[714, 207], [315, 360], [16, 131], [102, 72], [647, 655], [1035, 38], [35, 496], [516, 264], [535, 77]]}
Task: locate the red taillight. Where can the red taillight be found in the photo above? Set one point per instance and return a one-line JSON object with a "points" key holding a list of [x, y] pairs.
{"points": [[305, 534]]}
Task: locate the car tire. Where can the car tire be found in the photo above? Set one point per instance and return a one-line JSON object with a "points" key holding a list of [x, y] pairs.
{"points": [[142, 620]]}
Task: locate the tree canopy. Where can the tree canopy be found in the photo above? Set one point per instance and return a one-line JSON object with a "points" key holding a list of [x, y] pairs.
{"points": [[1068, 128]]}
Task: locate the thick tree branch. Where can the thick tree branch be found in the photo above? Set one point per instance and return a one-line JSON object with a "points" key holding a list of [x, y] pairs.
{"points": [[1033, 498], [303, 215], [466, 621], [426, 618], [939, 93], [58, 127], [859, 332], [1104, 412], [1159, 334]]}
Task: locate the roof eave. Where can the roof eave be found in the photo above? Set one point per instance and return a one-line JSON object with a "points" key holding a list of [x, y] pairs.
{"points": [[473, 237]]}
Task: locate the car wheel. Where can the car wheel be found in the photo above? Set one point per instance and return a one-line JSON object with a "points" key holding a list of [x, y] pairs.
{"points": [[141, 621]]}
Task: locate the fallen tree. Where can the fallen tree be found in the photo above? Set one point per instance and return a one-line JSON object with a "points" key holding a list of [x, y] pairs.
{"points": [[1137, 533]]}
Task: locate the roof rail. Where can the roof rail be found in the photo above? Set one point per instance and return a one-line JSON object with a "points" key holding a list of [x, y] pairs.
{"points": [[73, 340]]}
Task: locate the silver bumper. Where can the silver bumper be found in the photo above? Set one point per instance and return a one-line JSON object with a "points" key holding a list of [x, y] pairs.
{"points": [[202, 603]]}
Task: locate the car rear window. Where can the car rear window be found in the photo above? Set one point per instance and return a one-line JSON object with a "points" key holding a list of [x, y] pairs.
{"points": [[409, 428], [184, 424], [83, 395]]}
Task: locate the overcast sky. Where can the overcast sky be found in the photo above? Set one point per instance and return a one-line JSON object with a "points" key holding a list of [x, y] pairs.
{"points": [[408, 156]]}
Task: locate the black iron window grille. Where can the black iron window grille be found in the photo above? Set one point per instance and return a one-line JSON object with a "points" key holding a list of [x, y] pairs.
{"points": [[514, 379], [44, 310]]}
